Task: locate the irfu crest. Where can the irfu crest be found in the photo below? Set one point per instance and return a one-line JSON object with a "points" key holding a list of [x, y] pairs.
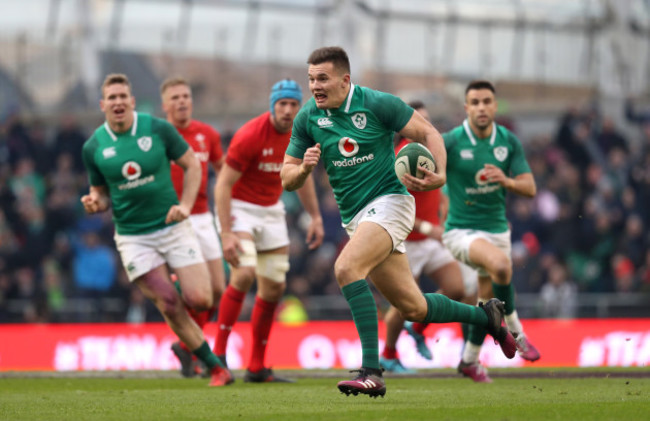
{"points": [[501, 153], [359, 120], [144, 143]]}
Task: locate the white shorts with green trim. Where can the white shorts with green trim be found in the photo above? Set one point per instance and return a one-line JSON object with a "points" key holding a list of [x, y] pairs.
{"points": [[176, 245], [394, 212], [459, 240], [206, 231]]}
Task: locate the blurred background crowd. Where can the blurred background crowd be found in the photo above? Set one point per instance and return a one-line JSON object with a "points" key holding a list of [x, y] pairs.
{"points": [[585, 232], [572, 84]]}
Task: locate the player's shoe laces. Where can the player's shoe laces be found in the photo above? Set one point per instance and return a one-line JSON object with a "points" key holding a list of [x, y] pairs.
{"points": [[394, 365], [495, 311], [369, 382], [221, 376], [419, 339], [526, 350], [185, 358], [474, 371], [265, 375]]}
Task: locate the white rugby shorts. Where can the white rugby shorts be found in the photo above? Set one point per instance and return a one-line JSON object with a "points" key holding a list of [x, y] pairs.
{"points": [[459, 240], [470, 278], [267, 224], [394, 212], [206, 232], [177, 245], [427, 256]]}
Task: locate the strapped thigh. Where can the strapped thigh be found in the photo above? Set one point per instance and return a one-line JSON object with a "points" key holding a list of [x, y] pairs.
{"points": [[273, 266]]}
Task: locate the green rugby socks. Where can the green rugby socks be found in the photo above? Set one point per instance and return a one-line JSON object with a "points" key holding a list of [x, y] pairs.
{"points": [[205, 354], [441, 309], [364, 313], [505, 293]]}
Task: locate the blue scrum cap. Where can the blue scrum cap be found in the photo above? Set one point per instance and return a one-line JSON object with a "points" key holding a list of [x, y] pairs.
{"points": [[285, 88]]}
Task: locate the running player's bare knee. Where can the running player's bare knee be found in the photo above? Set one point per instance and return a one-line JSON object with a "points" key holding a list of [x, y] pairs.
{"points": [[413, 313], [503, 271], [414, 316], [345, 272], [199, 301], [169, 304], [456, 292]]}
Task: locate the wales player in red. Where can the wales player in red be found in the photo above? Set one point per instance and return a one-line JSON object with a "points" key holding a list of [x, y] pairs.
{"points": [[253, 225], [176, 95]]}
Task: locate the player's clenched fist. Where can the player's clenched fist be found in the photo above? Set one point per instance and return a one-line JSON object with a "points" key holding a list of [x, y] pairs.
{"points": [[94, 203], [311, 158], [177, 213]]}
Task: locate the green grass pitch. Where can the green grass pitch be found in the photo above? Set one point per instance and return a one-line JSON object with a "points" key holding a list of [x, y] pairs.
{"points": [[606, 394]]}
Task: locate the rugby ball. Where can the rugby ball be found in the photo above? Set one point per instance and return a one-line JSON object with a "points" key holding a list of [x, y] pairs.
{"points": [[411, 158]]}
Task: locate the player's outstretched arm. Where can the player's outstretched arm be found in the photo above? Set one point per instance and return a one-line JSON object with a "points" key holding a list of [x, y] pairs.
{"points": [[97, 199], [295, 170]]}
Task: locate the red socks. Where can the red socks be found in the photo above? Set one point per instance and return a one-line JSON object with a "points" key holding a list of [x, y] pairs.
{"points": [[229, 309], [261, 321], [419, 327], [389, 353]]}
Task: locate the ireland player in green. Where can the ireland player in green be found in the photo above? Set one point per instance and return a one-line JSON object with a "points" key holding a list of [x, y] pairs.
{"points": [[351, 128], [127, 159], [484, 161]]}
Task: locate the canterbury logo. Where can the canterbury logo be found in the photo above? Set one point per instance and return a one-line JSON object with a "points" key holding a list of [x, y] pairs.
{"points": [[325, 122], [368, 384]]}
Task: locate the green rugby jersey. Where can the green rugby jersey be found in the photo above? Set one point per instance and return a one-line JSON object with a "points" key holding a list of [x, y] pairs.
{"points": [[134, 165], [473, 202], [356, 145]]}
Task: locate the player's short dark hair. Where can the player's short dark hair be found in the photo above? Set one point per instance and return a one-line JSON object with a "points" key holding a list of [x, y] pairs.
{"points": [[173, 81], [480, 84], [336, 55], [416, 104], [116, 79]]}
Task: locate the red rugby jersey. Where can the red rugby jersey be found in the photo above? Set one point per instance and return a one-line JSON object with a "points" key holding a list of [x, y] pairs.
{"points": [[206, 144], [257, 151]]}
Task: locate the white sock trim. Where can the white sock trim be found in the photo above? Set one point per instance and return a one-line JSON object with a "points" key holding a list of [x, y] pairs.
{"points": [[513, 323], [471, 352]]}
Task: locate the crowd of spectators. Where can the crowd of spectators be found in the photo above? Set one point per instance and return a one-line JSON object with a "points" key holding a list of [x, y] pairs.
{"points": [[591, 211], [586, 231]]}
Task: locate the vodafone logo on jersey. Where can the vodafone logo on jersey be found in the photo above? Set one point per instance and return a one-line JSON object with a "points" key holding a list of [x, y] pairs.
{"points": [[348, 147], [484, 185], [480, 177], [131, 170]]}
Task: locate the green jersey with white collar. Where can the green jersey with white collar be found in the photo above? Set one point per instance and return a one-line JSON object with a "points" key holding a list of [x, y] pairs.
{"points": [[135, 168], [356, 145], [473, 202]]}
